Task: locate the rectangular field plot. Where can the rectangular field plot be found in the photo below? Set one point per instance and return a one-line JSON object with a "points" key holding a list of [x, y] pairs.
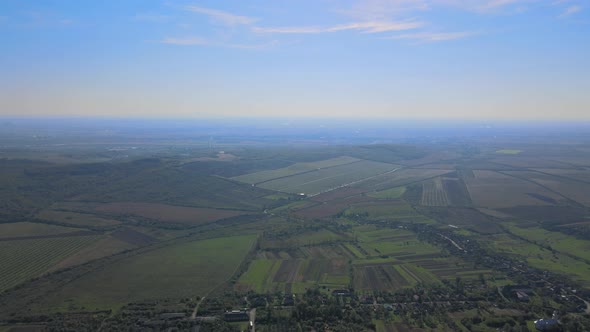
{"points": [[76, 218], [573, 189], [294, 275], [400, 178], [433, 193], [304, 239], [22, 260], [103, 247], [558, 241], [181, 270], [574, 174], [457, 192], [331, 208], [315, 182], [29, 229], [168, 213], [390, 210], [392, 193], [392, 243], [262, 176], [494, 190], [379, 277]]}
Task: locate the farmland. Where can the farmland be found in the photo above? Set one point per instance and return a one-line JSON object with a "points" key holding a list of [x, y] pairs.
{"points": [[29, 229], [263, 176], [192, 268], [25, 259], [434, 194], [495, 190], [430, 232], [392, 193], [321, 180], [167, 213], [573, 189], [75, 218], [400, 178]]}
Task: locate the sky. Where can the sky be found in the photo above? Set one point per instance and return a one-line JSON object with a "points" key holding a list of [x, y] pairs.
{"points": [[417, 59]]}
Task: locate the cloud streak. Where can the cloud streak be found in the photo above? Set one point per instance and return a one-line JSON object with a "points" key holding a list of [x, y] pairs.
{"points": [[570, 11], [199, 41], [222, 16], [365, 27], [434, 36]]}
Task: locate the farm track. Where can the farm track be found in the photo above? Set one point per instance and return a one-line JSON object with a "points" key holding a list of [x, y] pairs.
{"points": [[411, 273]]}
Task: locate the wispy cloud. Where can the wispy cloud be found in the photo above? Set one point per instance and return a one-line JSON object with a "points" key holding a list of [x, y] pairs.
{"points": [[199, 41], [570, 11], [434, 36], [222, 16], [366, 27], [185, 41]]}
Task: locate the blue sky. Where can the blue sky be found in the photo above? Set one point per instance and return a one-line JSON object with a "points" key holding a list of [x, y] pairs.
{"points": [[474, 59]]}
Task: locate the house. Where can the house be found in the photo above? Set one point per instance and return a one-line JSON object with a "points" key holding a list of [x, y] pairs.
{"points": [[289, 300], [522, 296], [341, 292], [547, 325]]}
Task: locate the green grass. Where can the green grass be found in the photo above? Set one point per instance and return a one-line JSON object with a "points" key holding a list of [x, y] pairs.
{"points": [[260, 274], [22, 260], [391, 242], [558, 241], [277, 196], [354, 250], [423, 274], [310, 238], [509, 151], [182, 270], [392, 193], [405, 274]]}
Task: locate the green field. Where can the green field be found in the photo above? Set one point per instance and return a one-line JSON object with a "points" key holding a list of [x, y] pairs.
{"points": [[392, 193], [325, 179], [22, 260], [558, 241], [187, 269], [293, 169], [260, 273], [395, 210], [542, 258]]}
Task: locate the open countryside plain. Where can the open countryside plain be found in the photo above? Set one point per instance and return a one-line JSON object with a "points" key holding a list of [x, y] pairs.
{"points": [[449, 231]]}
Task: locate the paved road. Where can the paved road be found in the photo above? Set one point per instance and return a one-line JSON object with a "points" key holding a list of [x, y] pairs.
{"points": [[253, 319]]}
